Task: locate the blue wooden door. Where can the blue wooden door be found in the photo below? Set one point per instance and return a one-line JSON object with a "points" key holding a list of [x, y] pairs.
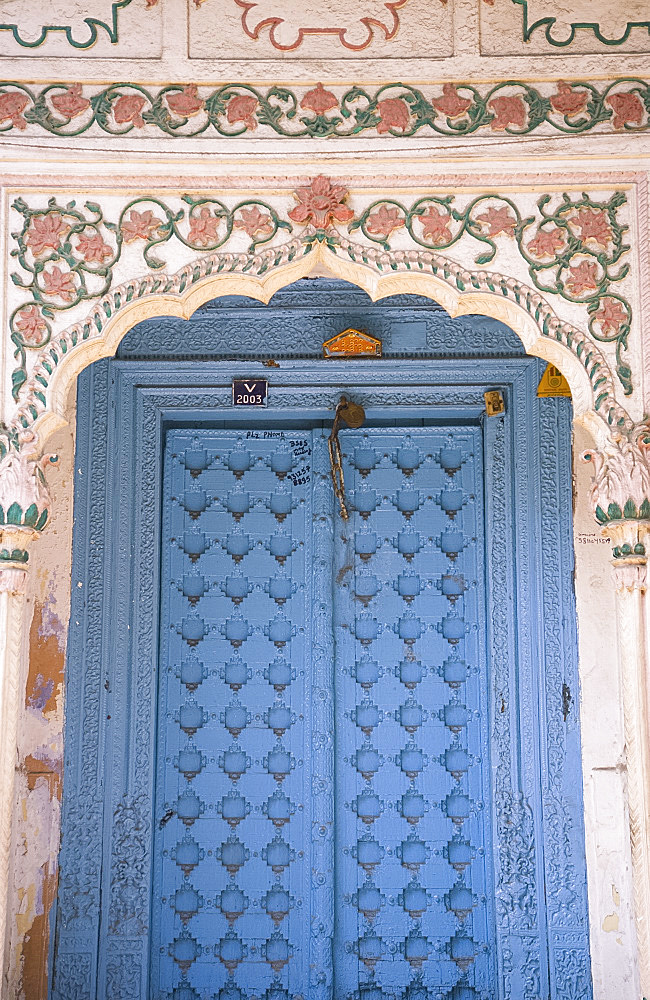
{"points": [[323, 778]]}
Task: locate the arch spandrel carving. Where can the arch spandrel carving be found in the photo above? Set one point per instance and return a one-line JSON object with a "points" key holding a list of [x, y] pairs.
{"points": [[68, 251]]}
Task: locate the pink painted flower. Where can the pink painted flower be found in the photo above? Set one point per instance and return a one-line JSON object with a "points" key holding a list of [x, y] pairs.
{"points": [[241, 108], [451, 104], [59, 283], [593, 226], [70, 103], [12, 105], [582, 278], [627, 108], [31, 325], [127, 110], [319, 100], [567, 101], [384, 221], [497, 221], [611, 316], [93, 249], [186, 102], [252, 221], [547, 242], [140, 226], [435, 226], [203, 227], [393, 113], [321, 203], [507, 111], [45, 232]]}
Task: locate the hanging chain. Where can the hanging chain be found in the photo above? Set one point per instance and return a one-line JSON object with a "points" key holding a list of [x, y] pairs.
{"points": [[353, 415]]}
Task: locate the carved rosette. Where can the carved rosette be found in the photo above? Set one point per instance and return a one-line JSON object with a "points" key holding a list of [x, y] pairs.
{"points": [[621, 497], [25, 506]]}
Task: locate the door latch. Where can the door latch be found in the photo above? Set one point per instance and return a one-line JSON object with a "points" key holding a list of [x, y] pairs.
{"points": [[353, 415]]}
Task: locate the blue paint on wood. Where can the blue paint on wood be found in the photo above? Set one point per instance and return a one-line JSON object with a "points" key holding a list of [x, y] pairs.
{"points": [[522, 783]]}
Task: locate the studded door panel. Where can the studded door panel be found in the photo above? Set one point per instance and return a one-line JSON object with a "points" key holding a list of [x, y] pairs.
{"points": [[311, 693], [412, 890], [234, 803]]}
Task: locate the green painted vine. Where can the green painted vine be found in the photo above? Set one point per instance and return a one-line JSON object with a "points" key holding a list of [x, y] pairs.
{"points": [[548, 23], [452, 110], [92, 24], [572, 248], [67, 254]]}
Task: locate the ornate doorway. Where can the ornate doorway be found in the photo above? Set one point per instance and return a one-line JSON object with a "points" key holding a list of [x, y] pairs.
{"points": [[311, 757]]}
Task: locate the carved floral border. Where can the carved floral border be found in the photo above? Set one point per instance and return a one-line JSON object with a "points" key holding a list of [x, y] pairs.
{"points": [[573, 247], [452, 110]]}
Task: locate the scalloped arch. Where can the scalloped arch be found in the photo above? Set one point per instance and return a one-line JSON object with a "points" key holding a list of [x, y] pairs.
{"points": [[259, 276]]}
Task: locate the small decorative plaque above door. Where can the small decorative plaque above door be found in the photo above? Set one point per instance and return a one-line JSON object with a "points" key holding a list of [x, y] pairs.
{"points": [[352, 344], [249, 392]]}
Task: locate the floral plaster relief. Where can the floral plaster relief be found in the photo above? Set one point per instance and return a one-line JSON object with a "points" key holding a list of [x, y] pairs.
{"points": [[337, 29], [90, 28], [289, 25]]}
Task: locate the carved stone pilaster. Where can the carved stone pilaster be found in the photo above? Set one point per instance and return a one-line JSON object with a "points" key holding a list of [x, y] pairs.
{"points": [[24, 512], [24, 507], [621, 496]]}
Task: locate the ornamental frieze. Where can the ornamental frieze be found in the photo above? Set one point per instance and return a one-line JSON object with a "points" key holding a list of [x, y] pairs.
{"points": [[571, 247], [449, 110]]}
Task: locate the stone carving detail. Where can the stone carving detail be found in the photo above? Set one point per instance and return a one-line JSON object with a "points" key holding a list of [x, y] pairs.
{"points": [[123, 977], [81, 32], [128, 912], [621, 488], [610, 23], [457, 110], [72, 980], [56, 243], [25, 502], [288, 25]]}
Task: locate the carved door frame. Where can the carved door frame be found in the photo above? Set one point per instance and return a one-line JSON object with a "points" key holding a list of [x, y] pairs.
{"points": [[530, 663]]}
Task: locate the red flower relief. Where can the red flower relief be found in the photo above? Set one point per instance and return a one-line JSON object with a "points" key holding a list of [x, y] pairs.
{"points": [[321, 203], [582, 278], [547, 242], [12, 105], [393, 113], [451, 104], [70, 103], [93, 249], [384, 221], [203, 227], [185, 102], [241, 108], [593, 225], [611, 316], [567, 101], [31, 325], [627, 108], [507, 111], [127, 110], [497, 221], [60, 284], [319, 100], [140, 226], [45, 232], [435, 226], [252, 221]]}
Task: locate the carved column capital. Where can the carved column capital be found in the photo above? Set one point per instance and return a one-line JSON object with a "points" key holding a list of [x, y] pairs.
{"points": [[621, 498], [25, 506]]}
